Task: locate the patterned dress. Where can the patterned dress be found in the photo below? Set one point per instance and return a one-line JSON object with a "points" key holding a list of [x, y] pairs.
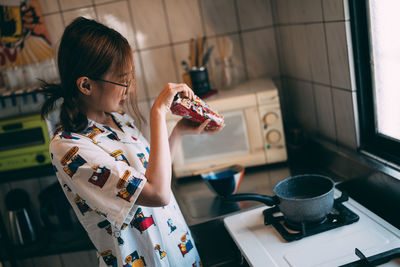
{"points": [[102, 173]]}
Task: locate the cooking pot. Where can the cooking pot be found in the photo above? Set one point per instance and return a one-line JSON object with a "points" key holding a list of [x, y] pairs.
{"points": [[22, 225], [305, 198]]}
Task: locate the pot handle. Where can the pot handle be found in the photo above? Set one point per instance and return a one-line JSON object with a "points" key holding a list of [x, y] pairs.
{"points": [[267, 200]]}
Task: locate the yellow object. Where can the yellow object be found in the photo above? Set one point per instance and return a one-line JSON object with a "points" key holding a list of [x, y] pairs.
{"points": [[24, 143]]}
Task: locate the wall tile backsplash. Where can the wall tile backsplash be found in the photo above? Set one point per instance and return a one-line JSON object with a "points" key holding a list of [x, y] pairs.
{"points": [[301, 44]]}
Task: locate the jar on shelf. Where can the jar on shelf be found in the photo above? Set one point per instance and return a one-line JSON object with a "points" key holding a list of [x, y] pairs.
{"points": [[226, 74]]}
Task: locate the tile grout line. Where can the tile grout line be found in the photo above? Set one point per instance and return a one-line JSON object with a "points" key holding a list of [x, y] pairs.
{"points": [[145, 89], [280, 60], [241, 41], [329, 72], [170, 39]]}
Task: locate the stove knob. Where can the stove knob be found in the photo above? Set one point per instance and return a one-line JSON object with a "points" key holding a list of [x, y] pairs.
{"points": [[273, 137], [270, 118]]}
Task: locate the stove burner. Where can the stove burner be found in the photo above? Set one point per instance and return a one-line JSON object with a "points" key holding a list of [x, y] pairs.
{"points": [[340, 215]]}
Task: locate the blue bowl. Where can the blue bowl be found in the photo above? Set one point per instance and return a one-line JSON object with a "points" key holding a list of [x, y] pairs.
{"points": [[224, 181]]}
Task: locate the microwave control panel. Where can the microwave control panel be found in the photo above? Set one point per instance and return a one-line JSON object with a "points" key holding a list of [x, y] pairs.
{"points": [[272, 126]]}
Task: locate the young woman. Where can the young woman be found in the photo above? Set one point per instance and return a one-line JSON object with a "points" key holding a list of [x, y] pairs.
{"points": [[118, 184]]}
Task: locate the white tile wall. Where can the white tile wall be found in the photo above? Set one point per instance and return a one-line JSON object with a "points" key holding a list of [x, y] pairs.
{"points": [[338, 54], [184, 12], [88, 13], [55, 27], [48, 6], [294, 51], [116, 16], [72, 4], [159, 69], [219, 16], [334, 10], [254, 13], [260, 53], [318, 56], [301, 99], [150, 23], [295, 11], [324, 112], [344, 115]]}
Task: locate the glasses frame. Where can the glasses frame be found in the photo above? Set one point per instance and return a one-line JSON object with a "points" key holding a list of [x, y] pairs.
{"points": [[120, 84]]}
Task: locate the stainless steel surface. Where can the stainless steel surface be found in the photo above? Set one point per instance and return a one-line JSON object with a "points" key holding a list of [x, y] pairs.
{"points": [[199, 204]]}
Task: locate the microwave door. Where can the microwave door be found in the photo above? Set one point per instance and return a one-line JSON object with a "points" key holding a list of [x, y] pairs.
{"points": [[231, 141]]}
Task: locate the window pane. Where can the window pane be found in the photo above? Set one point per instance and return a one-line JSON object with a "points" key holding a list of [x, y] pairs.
{"points": [[385, 57]]}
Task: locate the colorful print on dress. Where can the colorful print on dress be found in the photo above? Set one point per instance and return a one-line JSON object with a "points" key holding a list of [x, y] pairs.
{"points": [[68, 135], [133, 260], [113, 135], [92, 132], [142, 159], [100, 213], [81, 204], [171, 226], [129, 191], [72, 167], [186, 244], [129, 124], [117, 154], [122, 181], [141, 222], [148, 149], [67, 188], [160, 252], [121, 112], [109, 258], [99, 176], [68, 156], [107, 226]]}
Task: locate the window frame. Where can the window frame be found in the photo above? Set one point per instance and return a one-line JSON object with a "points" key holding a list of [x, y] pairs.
{"points": [[370, 140]]}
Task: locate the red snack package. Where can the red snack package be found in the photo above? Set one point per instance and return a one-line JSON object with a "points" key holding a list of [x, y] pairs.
{"points": [[196, 110]]}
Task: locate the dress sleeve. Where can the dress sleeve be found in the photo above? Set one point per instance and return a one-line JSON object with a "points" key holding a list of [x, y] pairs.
{"points": [[106, 185]]}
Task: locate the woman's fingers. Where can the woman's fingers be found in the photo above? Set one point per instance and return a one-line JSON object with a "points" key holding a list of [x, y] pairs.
{"points": [[203, 125]]}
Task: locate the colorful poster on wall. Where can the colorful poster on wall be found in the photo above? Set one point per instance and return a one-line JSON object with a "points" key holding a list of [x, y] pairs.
{"points": [[23, 35]]}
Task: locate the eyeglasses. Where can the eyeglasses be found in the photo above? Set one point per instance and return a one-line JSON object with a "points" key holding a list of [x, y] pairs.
{"points": [[120, 84]]}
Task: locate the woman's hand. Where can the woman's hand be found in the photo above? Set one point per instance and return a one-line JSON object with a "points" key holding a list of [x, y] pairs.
{"points": [[185, 126], [164, 100]]}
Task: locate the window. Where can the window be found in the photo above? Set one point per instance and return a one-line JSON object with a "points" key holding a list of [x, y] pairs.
{"points": [[376, 44]]}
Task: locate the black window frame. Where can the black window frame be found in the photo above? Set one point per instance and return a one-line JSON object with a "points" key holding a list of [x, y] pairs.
{"points": [[370, 140]]}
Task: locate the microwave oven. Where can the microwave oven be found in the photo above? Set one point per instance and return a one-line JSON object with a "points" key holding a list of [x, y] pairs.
{"points": [[253, 133], [24, 143]]}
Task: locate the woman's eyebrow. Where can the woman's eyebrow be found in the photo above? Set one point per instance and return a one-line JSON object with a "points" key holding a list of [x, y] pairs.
{"points": [[125, 74]]}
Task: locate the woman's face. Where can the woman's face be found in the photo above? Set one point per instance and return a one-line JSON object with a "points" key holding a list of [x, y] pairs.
{"points": [[112, 90]]}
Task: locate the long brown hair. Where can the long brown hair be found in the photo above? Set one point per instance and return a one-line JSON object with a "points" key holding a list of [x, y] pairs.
{"points": [[87, 48]]}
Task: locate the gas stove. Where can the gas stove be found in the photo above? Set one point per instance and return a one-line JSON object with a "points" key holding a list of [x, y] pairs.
{"points": [[339, 216], [357, 236]]}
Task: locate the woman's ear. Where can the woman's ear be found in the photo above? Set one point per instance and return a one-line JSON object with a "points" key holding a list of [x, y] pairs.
{"points": [[83, 84]]}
